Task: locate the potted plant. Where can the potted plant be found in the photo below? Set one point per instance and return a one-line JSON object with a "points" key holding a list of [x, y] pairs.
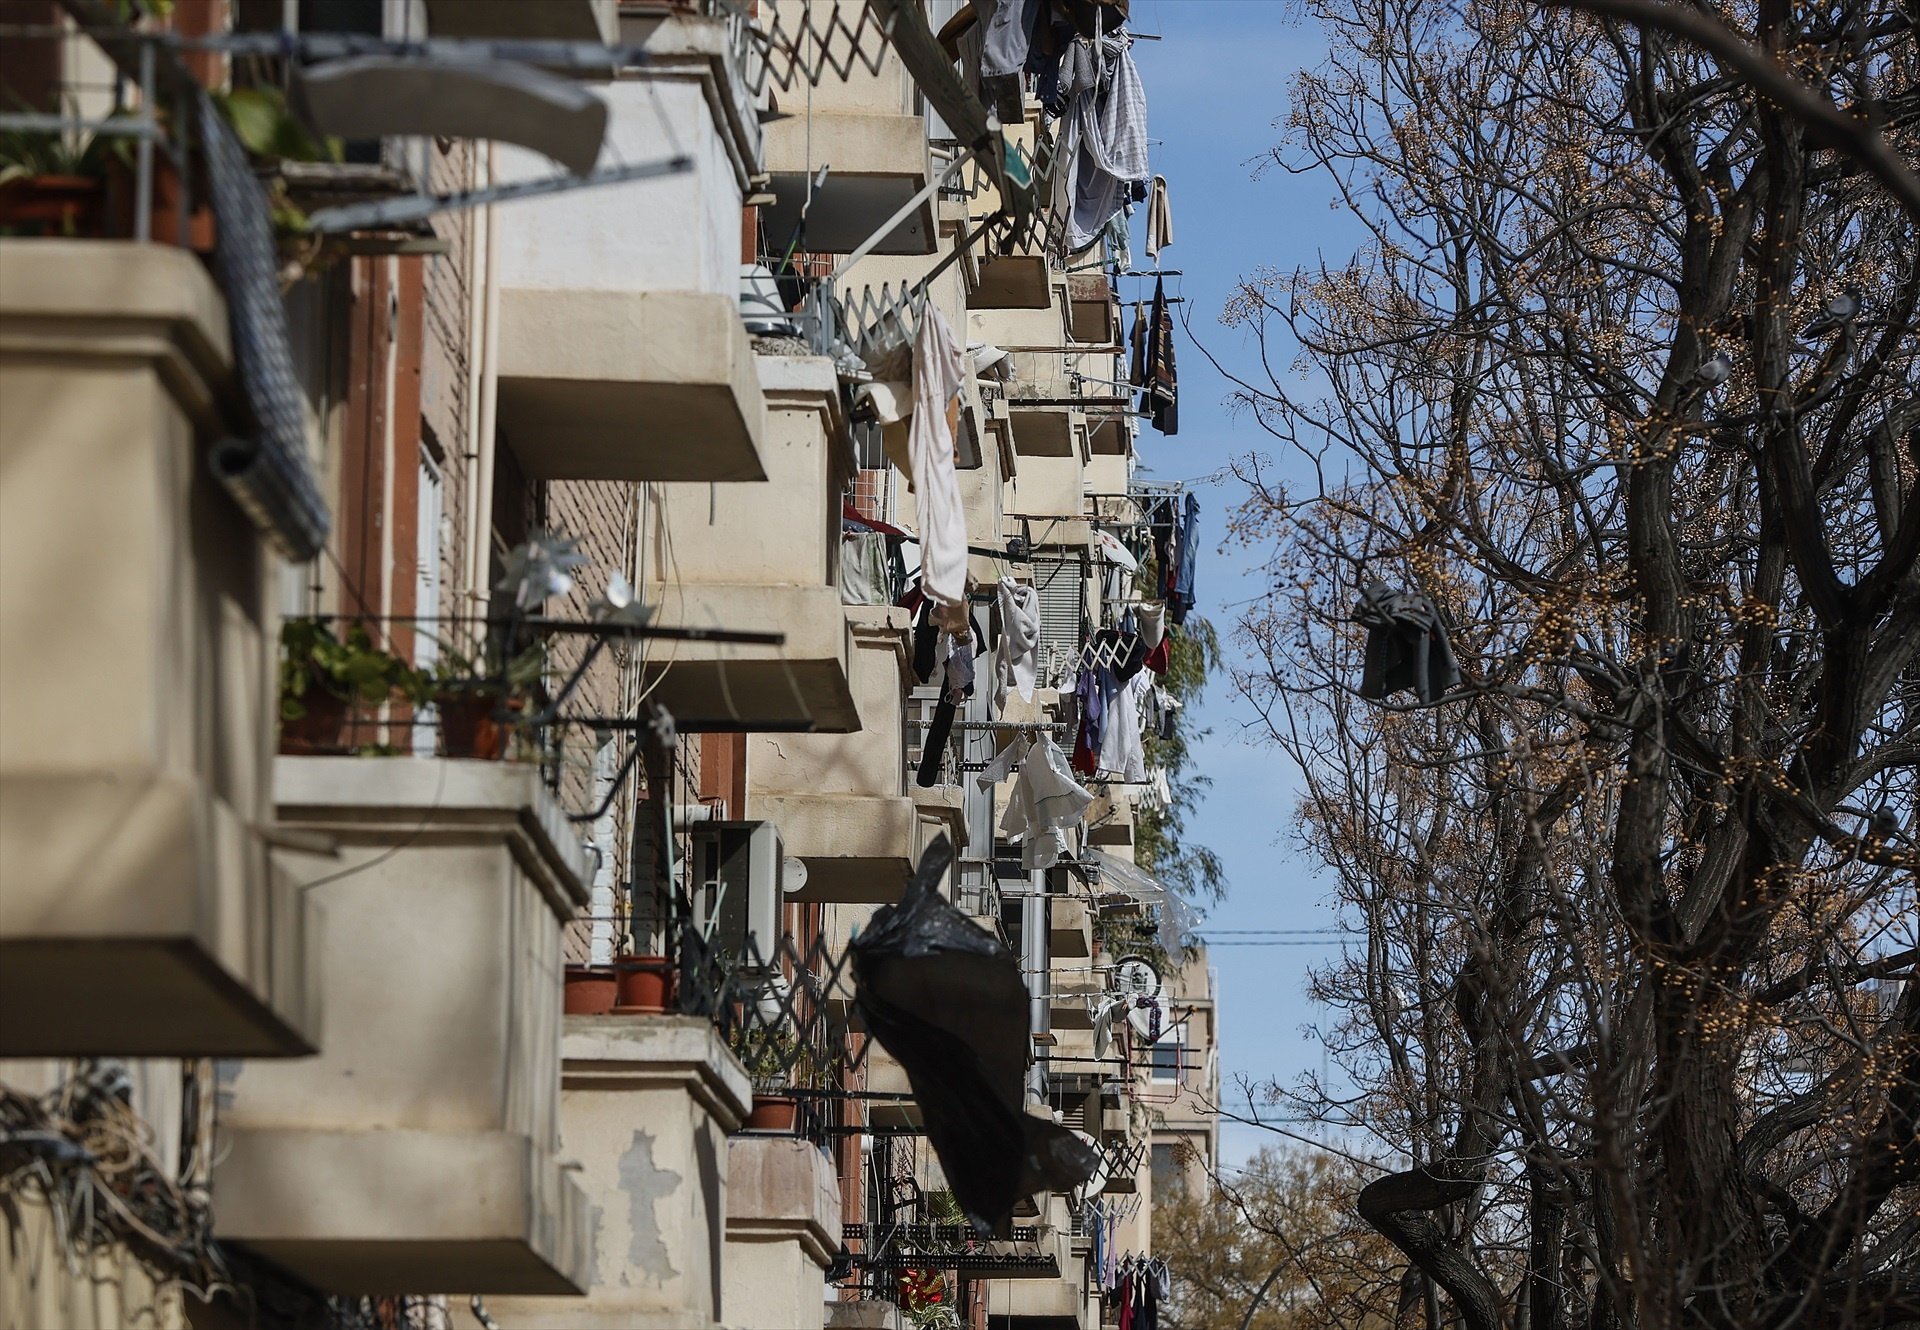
{"points": [[51, 185], [645, 985], [776, 1063], [322, 675], [591, 990], [478, 704]]}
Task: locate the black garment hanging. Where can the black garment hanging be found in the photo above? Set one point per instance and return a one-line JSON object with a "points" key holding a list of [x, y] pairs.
{"points": [[939, 730], [926, 641], [1407, 645], [1160, 520], [947, 1000], [1160, 395]]}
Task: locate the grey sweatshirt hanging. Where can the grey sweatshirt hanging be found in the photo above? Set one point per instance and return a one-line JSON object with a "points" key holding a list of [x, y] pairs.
{"points": [[1407, 645]]}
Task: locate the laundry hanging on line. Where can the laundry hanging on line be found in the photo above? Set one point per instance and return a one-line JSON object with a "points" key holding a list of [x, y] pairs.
{"points": [[1046, 803], [1154, 369], [1159, 219], [1017, 665], [1104, 139], [939, 369]]}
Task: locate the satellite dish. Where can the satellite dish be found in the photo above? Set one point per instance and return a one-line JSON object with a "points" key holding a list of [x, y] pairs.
{"points": [[793, 875], [1134, 977]]}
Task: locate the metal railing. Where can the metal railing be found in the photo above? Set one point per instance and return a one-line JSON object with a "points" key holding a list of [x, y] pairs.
{"points": [[68, 133]]}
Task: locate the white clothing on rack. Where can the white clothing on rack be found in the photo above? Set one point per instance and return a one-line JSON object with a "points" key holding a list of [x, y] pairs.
{"points": [[1046, 803], [1122, 756], [939, 368], [1018, 661]]}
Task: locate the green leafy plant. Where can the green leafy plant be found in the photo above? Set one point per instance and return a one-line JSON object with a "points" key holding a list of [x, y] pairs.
{"points": [[494, 672], [775, 1060], [267, 126], [349, 666]]}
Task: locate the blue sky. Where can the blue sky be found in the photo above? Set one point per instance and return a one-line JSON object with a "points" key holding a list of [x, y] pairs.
{"points": [[1216, 86]]}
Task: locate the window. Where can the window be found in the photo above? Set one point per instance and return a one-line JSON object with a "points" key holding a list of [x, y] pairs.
{"points": [[1166, 1171], [1167, 1054], [1061, 582]]}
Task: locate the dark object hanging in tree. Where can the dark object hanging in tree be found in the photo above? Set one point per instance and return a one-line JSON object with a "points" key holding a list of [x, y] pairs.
{"points": [[1407, 645], [945, 998]]}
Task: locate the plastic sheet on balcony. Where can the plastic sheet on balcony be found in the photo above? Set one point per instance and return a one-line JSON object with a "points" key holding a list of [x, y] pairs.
{"points": [[266, 469], [945, 998], [1178, 923]]}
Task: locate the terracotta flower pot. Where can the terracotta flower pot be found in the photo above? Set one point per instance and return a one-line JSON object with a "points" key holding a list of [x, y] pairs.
{"points": [[54, 205], [322, 727], [168, 199], [645, 985], [773, 1112], [471, 724], [591, 990]]}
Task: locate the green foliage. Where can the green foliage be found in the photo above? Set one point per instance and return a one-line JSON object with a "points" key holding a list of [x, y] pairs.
{"points": [[774, 1060], [493, 671], [1160, 840], [266, 126], [350, 667]]}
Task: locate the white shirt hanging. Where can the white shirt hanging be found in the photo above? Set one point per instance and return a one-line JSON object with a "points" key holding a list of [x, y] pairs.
{"points": [[939, 368]]}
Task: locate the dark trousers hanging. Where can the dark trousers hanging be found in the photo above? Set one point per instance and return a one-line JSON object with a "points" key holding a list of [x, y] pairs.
{"points": [[935, 744]]}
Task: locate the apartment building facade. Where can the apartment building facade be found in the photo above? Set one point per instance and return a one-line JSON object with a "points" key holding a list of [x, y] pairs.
{"points": [[473, 662]]}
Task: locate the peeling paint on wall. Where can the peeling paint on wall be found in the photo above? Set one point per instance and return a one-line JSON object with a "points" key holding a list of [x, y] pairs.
{"points": [[598, 1218], [645, 1186]]}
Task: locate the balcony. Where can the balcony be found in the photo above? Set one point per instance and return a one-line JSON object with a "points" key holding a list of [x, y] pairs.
{"points": [[417, 1151], [646, 1106], [1110, 822], [622, 354], [866, 129], [783, 1229], [1092, 313], [840, 801], [1070, 928], [761, 557], [550, 20], [139, 916], [886, 1077]]}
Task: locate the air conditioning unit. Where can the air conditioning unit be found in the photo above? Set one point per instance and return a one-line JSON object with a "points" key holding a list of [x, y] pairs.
{"points": [[738, 888]]}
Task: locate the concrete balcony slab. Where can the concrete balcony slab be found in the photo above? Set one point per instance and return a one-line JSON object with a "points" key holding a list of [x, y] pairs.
{"points": [[138, 915], [879, 161], [1093, 315], [857, 849], [865, 761], [800, 685], [416, 1152], [887, 1077], [629, 385], [1070, 928], [646, 1106], [942, 810], [1012, 281], [783, 1228], [1110, 822]]}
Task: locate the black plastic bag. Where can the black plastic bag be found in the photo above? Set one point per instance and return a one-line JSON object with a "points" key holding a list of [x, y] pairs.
{"points": [[944, 997]]}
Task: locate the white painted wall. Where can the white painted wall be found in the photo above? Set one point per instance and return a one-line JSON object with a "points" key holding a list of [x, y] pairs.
{"points": [[674, 233]]}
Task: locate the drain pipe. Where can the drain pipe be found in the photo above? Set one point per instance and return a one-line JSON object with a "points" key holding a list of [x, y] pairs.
{"points": [[1033, 959]]}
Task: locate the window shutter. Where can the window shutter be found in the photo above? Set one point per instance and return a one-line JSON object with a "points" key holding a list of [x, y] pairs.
{"points": [[1061, 581]]}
